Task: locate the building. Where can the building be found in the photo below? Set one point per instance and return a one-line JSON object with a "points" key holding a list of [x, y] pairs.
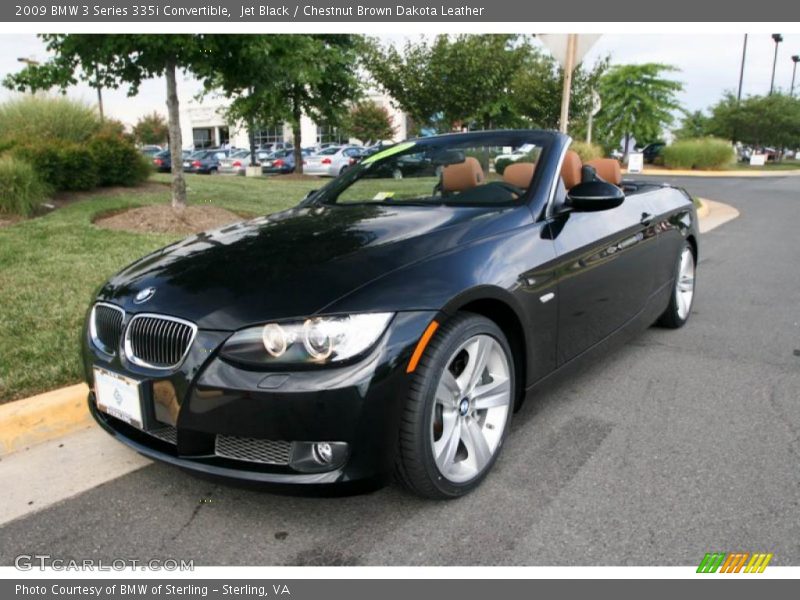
{"points": [[204, 125]]}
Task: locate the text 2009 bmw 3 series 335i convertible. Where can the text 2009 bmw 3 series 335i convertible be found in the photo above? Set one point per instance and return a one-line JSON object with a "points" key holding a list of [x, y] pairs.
{"points": [[386, 325]]}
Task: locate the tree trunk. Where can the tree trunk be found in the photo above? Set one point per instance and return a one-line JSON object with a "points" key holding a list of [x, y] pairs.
{"points": [[251, 138], [296, 133], [99, 92], [175, 141], [627, 146]]}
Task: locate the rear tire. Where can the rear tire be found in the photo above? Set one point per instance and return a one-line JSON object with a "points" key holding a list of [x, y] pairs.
{"points": [[458, 410], [680, 303]]}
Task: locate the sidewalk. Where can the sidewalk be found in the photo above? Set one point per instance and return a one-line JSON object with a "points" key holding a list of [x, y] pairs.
{"points": [[655, 171]]}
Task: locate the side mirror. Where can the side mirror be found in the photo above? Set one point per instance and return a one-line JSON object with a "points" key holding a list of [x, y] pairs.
{"points": [[594, 195]]}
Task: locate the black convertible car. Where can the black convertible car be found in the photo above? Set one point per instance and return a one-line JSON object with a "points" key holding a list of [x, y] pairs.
{"points": [[386, 325]]}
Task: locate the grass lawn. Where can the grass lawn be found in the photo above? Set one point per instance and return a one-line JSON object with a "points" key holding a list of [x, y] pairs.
{"points": [[51, 266]]}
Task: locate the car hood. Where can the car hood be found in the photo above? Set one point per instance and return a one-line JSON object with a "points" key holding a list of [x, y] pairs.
{"points": [[290, 264]]}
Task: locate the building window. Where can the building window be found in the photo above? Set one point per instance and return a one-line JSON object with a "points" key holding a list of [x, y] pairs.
{"points": [[329, 135], [203, 137], [268, 135]]}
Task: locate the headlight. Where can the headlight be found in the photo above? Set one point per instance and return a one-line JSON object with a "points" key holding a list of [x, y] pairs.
{"points": [[318, 340]]}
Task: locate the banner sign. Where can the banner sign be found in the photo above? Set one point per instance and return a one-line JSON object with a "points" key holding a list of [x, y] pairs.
{"points": [[321, 11]]}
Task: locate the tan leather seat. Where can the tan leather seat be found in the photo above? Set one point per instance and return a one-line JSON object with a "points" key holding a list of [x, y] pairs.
{"points": [[571, 169], [607, 169], [519, 174], [462, 176]]}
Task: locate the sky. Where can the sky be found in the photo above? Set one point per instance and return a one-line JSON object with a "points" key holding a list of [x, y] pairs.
{"points": [[708, 65]]}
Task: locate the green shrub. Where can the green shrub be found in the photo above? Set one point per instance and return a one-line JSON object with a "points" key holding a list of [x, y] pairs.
{"points": [[586, 150], [63, 165], [21, 189], [700, 153], [46, 119], [501, 164], [118, 161]]}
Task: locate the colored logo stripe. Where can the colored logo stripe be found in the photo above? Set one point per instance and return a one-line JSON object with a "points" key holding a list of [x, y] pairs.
{"points": [[733, 562]]}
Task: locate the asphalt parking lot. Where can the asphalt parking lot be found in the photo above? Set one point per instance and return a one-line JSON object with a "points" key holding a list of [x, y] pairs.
{"points": [[676, 444]]}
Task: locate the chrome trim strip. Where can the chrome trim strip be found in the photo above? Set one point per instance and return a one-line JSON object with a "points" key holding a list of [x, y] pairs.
{"points": [[141, 363], [548, 211], [93, 326]]}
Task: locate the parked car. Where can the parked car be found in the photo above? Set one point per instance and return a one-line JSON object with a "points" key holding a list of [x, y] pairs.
{"points": [[278, 163], [652, 151], [150, 150], [235, 163], [517, 154], [386, 326], [162, 162], [332, 161], [419, 164], [275, 146], [206, 162]]}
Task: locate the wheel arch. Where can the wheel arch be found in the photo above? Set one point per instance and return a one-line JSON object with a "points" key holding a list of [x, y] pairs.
{"points": [[693, 242], [499, 307]]}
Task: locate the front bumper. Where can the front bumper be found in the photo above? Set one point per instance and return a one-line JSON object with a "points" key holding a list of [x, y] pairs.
{"points": [[207, 400]]}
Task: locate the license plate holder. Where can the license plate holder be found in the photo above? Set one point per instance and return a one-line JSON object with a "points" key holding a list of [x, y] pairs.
{"points": [[120, 397]]}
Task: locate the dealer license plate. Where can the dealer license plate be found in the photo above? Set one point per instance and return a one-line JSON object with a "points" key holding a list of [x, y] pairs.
{"points": [[118, 396]]}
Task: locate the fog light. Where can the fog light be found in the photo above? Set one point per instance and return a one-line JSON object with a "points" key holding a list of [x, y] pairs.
{"points": [[317, 457], [323, 452]]}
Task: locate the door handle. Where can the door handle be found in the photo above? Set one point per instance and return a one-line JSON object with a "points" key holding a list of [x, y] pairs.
{"points": [[646, 219]]}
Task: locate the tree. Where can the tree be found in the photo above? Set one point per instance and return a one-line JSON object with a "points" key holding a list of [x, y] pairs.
{"points": [[694, 125], [536, 92], [122, 59], [272, 79], [452, 81], [638, 102], [151, 129], [368, 122], [759, 121]]}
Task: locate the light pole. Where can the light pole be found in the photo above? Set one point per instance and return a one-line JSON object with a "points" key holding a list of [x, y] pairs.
{"points": [[778, 39], [795, 60], [741, 70]]}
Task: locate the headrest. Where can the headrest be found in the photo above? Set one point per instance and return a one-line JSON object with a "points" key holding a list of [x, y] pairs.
{"points": [[462, 176], [519, 174], [571, 169], [607, 169]]}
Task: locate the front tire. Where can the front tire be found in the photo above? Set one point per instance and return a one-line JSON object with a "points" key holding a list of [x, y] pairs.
{"points": [[459, 409], [680, 304]]}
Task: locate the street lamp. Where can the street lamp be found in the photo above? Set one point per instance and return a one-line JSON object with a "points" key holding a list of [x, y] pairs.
{"points": [[778, 39], [795, 60]]}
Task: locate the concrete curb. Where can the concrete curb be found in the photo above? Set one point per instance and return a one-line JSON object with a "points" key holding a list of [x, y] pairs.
{"points": [[44, 417], [731, 173], [703, 209], [716, 214]]}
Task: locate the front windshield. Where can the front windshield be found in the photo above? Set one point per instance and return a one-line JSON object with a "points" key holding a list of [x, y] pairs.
{"points": [[484, 169]]}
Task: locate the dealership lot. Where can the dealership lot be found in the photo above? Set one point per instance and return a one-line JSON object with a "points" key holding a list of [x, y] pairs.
{"points": [[678, 443]]}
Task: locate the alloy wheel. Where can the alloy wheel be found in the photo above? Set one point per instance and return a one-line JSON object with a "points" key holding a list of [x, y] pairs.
{"points": [[471, 407], [684, 286]]}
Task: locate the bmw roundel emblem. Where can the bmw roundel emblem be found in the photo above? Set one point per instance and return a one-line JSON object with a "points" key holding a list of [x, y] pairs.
{"points": [[144, 295]]}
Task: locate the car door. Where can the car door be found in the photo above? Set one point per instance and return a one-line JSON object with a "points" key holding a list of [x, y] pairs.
{"points": [[605, 271]]}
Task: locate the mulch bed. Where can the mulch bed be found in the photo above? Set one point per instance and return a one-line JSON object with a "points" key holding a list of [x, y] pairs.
{"points": [[162, 218]]}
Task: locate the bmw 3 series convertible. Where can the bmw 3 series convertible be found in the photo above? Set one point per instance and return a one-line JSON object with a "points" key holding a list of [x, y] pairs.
{"points": [[386, 327]]}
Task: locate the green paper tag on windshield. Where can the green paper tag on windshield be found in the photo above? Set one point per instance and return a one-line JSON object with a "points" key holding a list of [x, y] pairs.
{"points": [[387, 153]]}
